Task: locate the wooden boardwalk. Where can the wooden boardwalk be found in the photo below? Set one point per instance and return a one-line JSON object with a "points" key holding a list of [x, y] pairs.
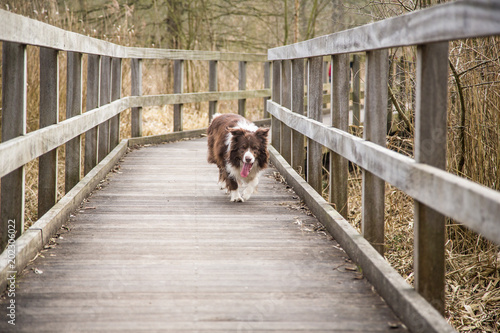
{"points": [[161, 248]]}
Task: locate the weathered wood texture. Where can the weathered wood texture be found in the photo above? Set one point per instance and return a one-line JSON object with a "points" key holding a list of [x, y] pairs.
{"points": [[339, 115], [457, 20], [212, 86], [430, 148], [73, 148], [49, 115], [276, 97], [160, 247], [474, 205], [178, 89], [23, 30], [14, 78], [242, 85], [286, 101], [93, 81], [314, 111], [104, 98], [116, 92], [374, 131], [136, 90], [298, 140]]}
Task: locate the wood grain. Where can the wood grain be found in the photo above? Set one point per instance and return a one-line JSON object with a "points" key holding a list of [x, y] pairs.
{"points": [[160, 247]]}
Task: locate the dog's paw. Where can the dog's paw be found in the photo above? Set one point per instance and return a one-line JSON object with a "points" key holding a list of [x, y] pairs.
{"points": [[247, 195], [236, 197]]}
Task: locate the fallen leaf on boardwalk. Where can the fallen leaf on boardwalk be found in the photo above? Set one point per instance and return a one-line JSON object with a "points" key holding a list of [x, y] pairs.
{"points": [[37, 271]]}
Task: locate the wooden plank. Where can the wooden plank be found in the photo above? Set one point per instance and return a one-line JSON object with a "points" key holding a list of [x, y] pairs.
{"points": [[41, 141], [276, 97], [267, 85], [286, 101], [93, 81], [212, 86], [298, 140], [49, 114], [474, 205], [39, 234], [412, 308], [339, 115], [116, 91], [457, 20], [178, 89], [242, 85], [211, 277], [14, 87], [136, 90], [104, 98], [24, 30], [314, 111], [430, 149], [73, 148], [372, 218], [356, 89]]}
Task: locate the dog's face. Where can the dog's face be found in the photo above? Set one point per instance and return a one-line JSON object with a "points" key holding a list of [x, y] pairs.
{"points": [[247, 147]]}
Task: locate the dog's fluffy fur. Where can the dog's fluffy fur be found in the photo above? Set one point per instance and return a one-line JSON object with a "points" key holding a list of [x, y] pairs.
{"points": [[239, 149]]}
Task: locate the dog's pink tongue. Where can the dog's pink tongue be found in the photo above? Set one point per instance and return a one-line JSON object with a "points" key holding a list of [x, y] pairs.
{"points": [[246, 170]]}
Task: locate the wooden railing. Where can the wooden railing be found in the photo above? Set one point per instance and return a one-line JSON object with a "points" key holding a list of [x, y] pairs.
{"points": [[437, 193], [100, 123]]}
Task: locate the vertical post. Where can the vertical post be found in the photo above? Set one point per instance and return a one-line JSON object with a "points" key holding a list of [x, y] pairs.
{"points": [[212, 86], [73, 108], [242, 85], [298, 159], [430, 148], [389, 102], [286, 101], [315, 111], [267, 85], [104, 98], [14, 87], [374, 130], [136, 90], [49, 115], [356, 87], [93, 81], [178, 88], [339, 167], [276, 97], [116, 88]]}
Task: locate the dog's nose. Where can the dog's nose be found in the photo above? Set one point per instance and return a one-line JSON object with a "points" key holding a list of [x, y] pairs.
{"points": [[248, 159]]}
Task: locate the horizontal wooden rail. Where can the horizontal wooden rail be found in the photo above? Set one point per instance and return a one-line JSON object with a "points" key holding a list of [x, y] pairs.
{"points": [[21, 150], [23, 30], [477, 206], [452, 21]]}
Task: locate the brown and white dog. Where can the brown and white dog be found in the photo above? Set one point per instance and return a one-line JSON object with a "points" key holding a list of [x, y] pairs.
{"points": [[239, 148]]}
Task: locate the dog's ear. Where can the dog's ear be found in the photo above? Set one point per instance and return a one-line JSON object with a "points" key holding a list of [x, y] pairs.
{"points": [[262, 134], [236, 131]]}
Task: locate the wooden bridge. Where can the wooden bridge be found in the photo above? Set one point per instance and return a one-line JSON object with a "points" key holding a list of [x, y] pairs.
{"points": [[156, 246]]}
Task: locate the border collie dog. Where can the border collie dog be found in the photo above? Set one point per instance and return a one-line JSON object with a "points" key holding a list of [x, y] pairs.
{"points": [[239, 149]]}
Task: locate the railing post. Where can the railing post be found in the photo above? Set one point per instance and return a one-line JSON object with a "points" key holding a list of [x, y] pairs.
{"points": [[267, 85], [136, 90], [374, 130], [286, 101], [339, 102], [116, 92], [104, 98], [93, 81], [14, 87], [276, 97], [315, 111], [298, 159], [49, 115], [242, 85], [430, 148], [178, 88], [212, 86], [73, 148], [356, 87]]}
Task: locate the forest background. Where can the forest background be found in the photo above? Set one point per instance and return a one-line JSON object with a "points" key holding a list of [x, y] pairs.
{"points": [[253, 26]]}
